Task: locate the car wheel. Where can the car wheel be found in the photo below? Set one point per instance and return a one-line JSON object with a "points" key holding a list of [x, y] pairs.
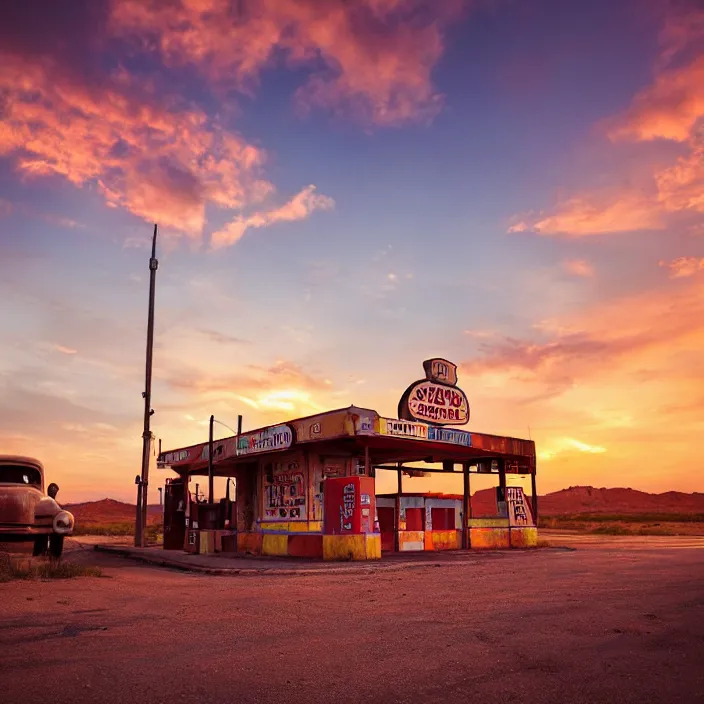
{"points": [[40, 546], [56, 545]]}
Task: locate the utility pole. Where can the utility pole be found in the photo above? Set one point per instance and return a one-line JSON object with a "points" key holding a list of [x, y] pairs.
{"points": [[147, 395], [210, 460]]}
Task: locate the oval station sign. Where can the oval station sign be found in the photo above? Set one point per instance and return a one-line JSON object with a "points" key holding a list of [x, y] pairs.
{"points": [[436, 399], [436, 403]]}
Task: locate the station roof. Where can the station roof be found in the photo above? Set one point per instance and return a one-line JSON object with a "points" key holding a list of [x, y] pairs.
{"points": [[354, 429]]}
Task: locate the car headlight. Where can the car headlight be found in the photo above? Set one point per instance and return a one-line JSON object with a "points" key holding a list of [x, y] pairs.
{"points": [[63, 522]]}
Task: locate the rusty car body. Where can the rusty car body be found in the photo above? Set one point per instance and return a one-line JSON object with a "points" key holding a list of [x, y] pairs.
{"points": [[27, 512]]}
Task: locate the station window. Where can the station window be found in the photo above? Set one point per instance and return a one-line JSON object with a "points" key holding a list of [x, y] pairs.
{"points": [[443, 518], [415, 519]]}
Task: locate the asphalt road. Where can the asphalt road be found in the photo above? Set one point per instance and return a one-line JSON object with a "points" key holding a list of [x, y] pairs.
{"points": [[603, 623]]}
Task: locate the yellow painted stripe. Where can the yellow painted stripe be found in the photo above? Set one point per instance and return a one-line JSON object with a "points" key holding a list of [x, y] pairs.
{"points": [[488, 523], [275, 545]]}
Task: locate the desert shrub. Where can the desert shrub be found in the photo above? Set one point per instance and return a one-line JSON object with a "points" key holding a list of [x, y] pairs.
{"points": [[12, 569], [153, 532], [611, 530]]}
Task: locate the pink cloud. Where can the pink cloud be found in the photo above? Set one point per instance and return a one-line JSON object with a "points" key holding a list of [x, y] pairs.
{"points": [[671, 108], [162, 161], [590, 215], [297, 208], [683, 267], [681, 186], [617, 337], [667, 109], [372, 59]]}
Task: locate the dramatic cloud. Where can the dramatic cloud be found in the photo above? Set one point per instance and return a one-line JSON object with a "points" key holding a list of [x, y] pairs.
{"points": [[671, 108], [667, 109], [69, 110], [589, 345], [298, 208], [163, 161], [603, 389], [371, 59]]}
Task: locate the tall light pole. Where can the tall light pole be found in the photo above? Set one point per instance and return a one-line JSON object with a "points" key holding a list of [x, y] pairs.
{"points": [[142, 500], [210, 460]]}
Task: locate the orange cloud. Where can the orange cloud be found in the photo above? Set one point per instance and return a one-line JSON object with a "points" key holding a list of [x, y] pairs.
{"points": [[667, 109], [281, 391], [578, 267], [162, 162], [373, 58], [681, 186], [683, 267], [588, 215], [298, 208], [671, 108], [581, 370], [617, 335]]}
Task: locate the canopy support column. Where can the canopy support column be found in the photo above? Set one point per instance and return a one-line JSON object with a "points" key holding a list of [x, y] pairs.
{"points": [[465, 506], [397, 512]]}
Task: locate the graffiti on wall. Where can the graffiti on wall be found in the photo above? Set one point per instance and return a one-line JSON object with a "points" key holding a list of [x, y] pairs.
{"points": [[519, 513], [285, 496], [347, 507]]}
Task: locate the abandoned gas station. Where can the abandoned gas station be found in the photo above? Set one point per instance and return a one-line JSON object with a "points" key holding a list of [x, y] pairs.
{"points": [[306, 488]]}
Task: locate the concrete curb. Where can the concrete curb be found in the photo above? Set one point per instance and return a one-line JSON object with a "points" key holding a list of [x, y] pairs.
{"points": [[324, 569]]}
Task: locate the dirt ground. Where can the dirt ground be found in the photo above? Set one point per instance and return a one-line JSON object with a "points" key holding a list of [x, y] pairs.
{"points": [[614, 620]]}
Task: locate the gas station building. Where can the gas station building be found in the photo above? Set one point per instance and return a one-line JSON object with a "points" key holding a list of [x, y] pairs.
{"points": [[306, 488]]}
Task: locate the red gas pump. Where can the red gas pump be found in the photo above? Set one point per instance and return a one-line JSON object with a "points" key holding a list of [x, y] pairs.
{"points": [[350, 506]]}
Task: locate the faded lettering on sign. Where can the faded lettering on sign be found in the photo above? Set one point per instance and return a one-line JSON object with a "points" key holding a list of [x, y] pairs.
{"points": [[347, 507], [436, 403]]}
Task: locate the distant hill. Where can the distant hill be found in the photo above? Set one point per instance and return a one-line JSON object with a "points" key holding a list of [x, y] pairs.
{"points": [[587, 499], [109, 511], [574, 500]]}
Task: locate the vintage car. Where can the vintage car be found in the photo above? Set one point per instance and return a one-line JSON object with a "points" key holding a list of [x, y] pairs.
{"points": [[26, 512]]}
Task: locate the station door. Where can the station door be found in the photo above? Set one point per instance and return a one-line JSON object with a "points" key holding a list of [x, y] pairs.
{"points": [[387, 515]]}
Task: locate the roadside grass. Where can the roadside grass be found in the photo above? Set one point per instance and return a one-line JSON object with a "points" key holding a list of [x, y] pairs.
{"points": [[13, 569], [153, 532], [654, 518], [627, 523]]}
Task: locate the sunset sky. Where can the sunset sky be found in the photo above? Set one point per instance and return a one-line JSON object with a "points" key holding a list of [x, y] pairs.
{"points": [[344, 189]]}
